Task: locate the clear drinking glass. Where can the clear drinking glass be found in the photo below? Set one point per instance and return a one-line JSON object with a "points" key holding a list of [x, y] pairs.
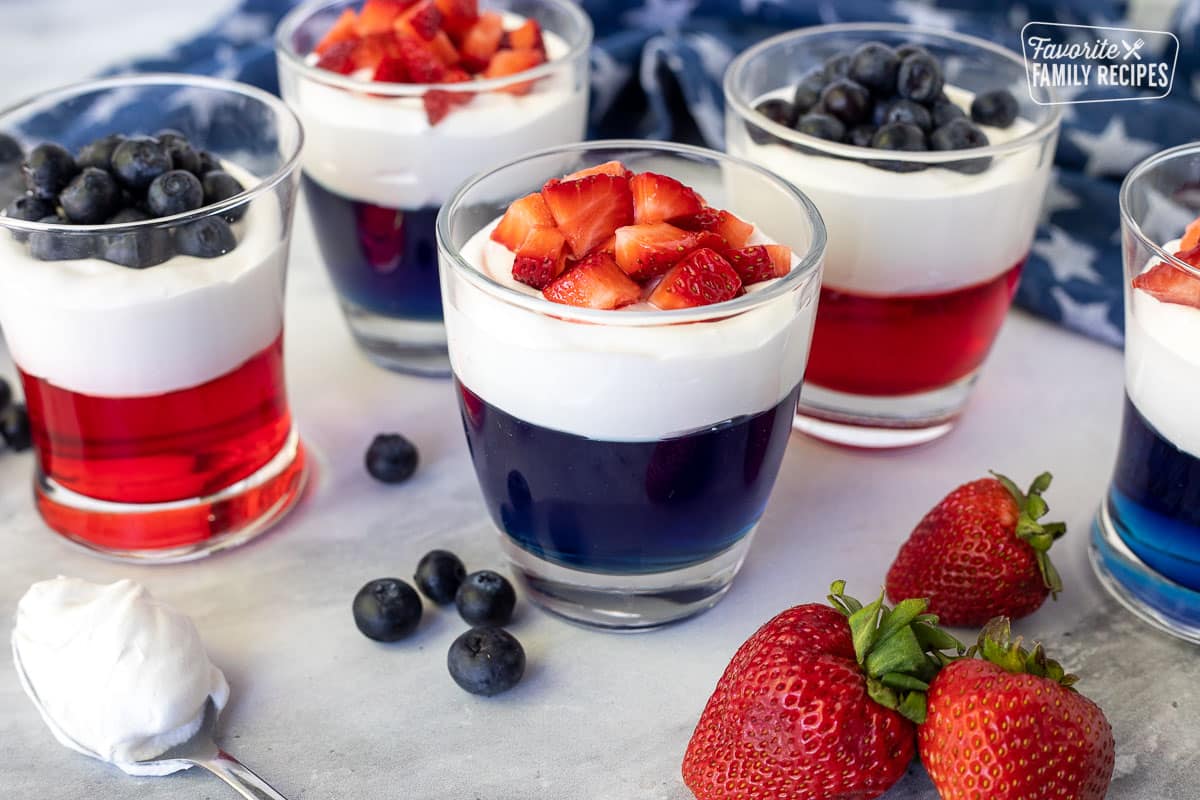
{"points": [[1146, 540], [626, 456], [925, 249], [155, 390], [376, 172]]}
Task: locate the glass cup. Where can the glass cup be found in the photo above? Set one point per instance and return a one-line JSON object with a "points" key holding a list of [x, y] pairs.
{"points": [[154, 377], [627, 456], [925, 248], [1146, 540], [376, 172]]}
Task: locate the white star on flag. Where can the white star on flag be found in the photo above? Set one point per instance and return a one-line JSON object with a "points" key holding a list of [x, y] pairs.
{"points": [[1057, 199], [1066, 257], [754, 6], [608, 76], [1111, 152], [923, 15], [1088, 318], [660, 15]]}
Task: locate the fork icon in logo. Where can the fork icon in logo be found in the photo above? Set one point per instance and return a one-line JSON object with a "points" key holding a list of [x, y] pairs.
{"points": [[1132, 49]]}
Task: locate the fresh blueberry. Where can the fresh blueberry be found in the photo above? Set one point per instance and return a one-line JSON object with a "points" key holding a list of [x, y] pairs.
{"points": [[391, 458], [127, 216], [183, 156], [961, 134], [48, 169], [823, 126], [208, 162], [837, 66], [5, 394], [808, 90], [30, 209], [387, 610], [174, 192], [486, 661], [901, 110], [997, 108], [906, 50], [438, 576], [98, 154], [861, 135], [14, 428], [944, 111], [846, 100], [220, 185], [136, 249], [485, 598], [778, 111], [899, 136], [91, 197], [875, 65], [60, 245], [205, 238], [138, 161], [11, 151], [920, 78]]}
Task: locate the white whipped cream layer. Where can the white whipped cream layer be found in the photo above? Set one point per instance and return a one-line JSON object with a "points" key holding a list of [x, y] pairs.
{"points": [[383, 150], [616, 382], [119, 675], [935, 230], [97, 328], [1162, 363]]}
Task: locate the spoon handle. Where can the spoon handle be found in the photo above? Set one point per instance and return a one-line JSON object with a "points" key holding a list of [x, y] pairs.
{"points": [[237, 775]]}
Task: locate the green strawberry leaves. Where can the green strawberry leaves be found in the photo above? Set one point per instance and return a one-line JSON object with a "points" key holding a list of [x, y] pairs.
{"points": [[997, 646], [1040, 536]]}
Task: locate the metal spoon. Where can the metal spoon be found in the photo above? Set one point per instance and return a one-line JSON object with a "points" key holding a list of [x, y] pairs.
{"points": [[200, 750]]}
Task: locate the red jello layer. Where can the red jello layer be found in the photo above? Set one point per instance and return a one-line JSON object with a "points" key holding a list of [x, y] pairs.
{"points": [[896, 345]]}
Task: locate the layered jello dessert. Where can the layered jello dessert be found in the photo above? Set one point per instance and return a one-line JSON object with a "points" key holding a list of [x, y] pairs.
{"points": [[929, 169], [402, 100], [628, 328], [143, 273]]}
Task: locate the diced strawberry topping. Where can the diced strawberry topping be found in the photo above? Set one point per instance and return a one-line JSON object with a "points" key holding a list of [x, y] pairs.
{"points": [[344, 30], [701, 279], [339, 57], [1191, 236], [1191, 256], [589, 210], [445, 50], [733, 230], [481, 42], [371, 50], [607, 168], [760, 262], [422, 20], [420, 63], [595, 282], [522, 217], [391, 70], [439, 102], [658, 198], [1170, 284], [458, 16], [541, 258], [526, 37], [647, 251], [512, 62], [377, 16]]}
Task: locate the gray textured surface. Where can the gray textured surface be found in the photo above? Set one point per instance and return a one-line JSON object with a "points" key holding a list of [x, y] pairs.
{"points": [[323, 713]]}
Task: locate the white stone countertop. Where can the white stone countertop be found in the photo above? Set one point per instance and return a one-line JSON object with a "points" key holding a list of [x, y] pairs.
{"points": [[322, 712]]}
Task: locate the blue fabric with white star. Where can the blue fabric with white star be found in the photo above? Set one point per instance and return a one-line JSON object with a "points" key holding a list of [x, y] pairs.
{"points": [[657, 68]]}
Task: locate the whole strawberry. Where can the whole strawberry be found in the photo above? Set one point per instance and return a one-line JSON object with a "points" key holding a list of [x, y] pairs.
{"points": [[980, 553], [1010, 726], [819, 704]]}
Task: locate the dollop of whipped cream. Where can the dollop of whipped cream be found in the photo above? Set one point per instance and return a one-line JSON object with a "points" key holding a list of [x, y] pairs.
{"points": [[117, 674]]}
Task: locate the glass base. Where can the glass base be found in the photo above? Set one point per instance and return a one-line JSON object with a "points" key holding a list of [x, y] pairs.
{"points": [[624, 602], [412, 346], [1159, 601], [183, 530], [881, 422]]}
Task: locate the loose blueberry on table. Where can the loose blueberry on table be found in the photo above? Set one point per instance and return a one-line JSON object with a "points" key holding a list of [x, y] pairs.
{"points": [[387, 610], [439, 575], [391, 458], [486, 598], [431, 42], [122, 180], [14, 419], [887, 99], [486, 661]]}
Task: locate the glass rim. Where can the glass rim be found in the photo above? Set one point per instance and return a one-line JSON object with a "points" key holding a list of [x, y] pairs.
{"points": [[809, 262], [1124, 199], [285, 53], [1040, 131], [264, 184]]}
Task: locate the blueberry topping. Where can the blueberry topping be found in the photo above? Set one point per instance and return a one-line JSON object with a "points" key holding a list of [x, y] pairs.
{"points": [[906, 50], [387, 610], [439, 574], [208, 162], [823, 126], [137, 162], [944, 111], [220, 185], [958, 134], [5, 394], [846, 100], [205, 238], [899, 136], [875, 65], [486, 661], [127, 216], [14, 428], [174, 192], [919, 78], [902, 110], [778, 111], [997, 108], [91, 197], [861, 135], [391, 458], [180, 150], [47, 170], [29, 208], [837, 66], [136, 249], [485, 598], [10, 150], [808, 90], [60, 245], [98, 154]]}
